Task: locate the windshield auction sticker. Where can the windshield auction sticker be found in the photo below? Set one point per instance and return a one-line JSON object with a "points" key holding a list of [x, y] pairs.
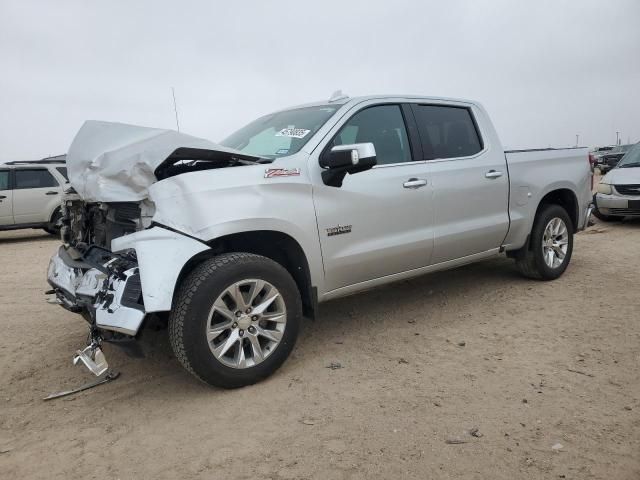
{"points": [[293, 132]]}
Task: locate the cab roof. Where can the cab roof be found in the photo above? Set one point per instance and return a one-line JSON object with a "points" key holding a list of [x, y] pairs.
{"points": [[345, 99]]}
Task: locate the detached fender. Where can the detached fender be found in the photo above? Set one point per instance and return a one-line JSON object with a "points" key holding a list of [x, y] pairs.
{"points": [[161, 255]]}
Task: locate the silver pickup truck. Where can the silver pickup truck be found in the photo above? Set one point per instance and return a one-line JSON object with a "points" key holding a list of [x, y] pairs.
{"points": [[231, 244]]}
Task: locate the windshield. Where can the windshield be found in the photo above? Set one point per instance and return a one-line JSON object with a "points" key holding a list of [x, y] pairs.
{"points": [[625, 148], [631, 158], [282, 133]]}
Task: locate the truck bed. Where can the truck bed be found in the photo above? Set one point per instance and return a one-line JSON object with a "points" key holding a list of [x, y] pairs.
{"points": [[535, 172]]}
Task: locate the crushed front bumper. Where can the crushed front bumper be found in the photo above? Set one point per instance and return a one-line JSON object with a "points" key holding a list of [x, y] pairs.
{"points": [[105, 286]]}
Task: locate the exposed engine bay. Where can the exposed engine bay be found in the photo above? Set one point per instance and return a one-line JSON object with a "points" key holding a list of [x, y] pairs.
{"points": [[87, 232], [99, 223]]}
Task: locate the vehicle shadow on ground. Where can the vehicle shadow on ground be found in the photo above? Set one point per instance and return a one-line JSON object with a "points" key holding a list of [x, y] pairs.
{"points": [[627, 221], [338, 321], [426, 293]]}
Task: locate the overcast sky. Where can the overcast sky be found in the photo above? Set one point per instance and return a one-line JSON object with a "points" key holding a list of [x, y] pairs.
{"points": [[545, 71]]}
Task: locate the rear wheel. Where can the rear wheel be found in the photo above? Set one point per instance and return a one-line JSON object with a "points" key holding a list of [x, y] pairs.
{"points": [[236, 319], [550, 245]]}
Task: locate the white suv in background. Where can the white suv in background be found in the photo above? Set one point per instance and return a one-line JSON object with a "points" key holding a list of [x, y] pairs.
{"points": [[31, 192]]}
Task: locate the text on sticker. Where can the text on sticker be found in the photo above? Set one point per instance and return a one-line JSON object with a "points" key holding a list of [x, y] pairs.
{"points": [[293, 132]]}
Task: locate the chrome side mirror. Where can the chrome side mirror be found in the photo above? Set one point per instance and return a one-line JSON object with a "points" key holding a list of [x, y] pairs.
{"points": [[354, 155], [343, 159]]}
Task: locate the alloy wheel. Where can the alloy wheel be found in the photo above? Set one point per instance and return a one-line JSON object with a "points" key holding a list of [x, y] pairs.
{"points": [[246, 323], [555, 242]]}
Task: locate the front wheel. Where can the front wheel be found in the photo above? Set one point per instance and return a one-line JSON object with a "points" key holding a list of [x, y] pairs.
{"points": [[235, 320], [550, 245]]}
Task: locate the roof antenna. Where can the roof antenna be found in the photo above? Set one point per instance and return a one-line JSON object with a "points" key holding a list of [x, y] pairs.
{"points": [[338, 95], [175, 107]]}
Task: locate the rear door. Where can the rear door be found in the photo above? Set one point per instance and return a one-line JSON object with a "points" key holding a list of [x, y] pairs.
{"points": [[35, 193], [6, 195], [470, 182]]}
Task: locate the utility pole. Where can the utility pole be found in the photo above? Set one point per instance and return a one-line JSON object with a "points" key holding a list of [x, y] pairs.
{"points": [[175, 107], [617, 138], [577, 139]]}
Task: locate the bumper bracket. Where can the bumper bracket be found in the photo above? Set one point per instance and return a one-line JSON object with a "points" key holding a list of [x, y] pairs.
{"points": [[92, 358]]}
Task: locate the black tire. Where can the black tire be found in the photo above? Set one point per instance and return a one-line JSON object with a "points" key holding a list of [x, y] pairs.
{"points": [[530, 260], [52, 227], [189, 317]]}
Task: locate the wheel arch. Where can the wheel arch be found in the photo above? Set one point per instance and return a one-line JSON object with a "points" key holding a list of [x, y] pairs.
{"points": [[564, 197], [567, 199], [275, 245], [56, 209]]}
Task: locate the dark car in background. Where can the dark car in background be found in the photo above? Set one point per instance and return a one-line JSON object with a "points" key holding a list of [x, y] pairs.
{"points": [[609, 159], [596, 153]]}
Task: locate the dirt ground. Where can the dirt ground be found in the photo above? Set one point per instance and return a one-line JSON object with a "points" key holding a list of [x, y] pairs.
{"points": [[423, 362]]}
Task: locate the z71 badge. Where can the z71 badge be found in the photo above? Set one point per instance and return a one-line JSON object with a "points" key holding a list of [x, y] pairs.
{"points": [[339, 230], [281, 172]]}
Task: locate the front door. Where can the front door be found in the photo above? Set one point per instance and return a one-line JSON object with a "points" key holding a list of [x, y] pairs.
{"points": [[33, 191], [379, 222], [6, 209], [470, 182]]}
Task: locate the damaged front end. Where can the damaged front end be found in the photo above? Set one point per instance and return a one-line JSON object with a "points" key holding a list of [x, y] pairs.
{"points": [[115, 265], [87, 276], [103, 286], [105, 289]]}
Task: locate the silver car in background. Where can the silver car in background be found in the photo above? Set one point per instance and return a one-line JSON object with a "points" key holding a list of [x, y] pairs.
{"points": [[618, 194]]}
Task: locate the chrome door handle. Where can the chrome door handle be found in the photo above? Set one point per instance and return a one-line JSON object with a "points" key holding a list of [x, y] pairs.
{"points": [[414, 183], [51, 193], [493, 174]]}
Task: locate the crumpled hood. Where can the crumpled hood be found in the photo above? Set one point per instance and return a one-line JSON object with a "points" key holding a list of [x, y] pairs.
{"points": [[623, 176], [115, 162]]}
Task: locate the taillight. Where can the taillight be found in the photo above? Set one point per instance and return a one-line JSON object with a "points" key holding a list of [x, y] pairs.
{"points": [[592, 164]]}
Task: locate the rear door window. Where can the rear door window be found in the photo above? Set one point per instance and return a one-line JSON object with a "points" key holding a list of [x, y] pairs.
{"points": [[446, 131], [4, 179], [34, 178]]}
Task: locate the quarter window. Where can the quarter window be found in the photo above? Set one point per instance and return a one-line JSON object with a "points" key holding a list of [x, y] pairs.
{"points": [[446, 132], [63, 171], [4, 180], [34, 178], [383, 126]]}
